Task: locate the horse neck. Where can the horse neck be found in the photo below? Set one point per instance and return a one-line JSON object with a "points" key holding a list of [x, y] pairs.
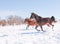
{"points": [[33, 15], [36, 17]]}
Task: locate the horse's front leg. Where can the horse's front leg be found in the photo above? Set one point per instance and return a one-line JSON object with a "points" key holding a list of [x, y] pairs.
{"points": [[41, 28], [27, 27], [52, 27], [36, 28]]}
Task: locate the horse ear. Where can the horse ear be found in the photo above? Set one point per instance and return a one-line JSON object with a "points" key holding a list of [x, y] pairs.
{"points": [[32, 13]]}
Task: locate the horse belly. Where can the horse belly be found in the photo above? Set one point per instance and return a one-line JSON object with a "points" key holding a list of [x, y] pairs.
{"points": [[33, 24], [44, 23]]}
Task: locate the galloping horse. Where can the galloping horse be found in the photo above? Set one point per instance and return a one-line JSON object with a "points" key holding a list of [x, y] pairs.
{"points": [[30, 22], [42, 21]]}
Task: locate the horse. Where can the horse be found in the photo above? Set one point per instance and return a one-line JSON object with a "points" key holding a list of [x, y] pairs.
{"points": [[30, 22], [42, 21]]}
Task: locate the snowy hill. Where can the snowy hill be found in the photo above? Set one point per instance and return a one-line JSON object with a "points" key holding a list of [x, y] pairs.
{"points": [[17, 34]]}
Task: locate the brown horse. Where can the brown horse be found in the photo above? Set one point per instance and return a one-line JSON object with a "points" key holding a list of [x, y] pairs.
{"points": [[42, 21], [30, 22]]}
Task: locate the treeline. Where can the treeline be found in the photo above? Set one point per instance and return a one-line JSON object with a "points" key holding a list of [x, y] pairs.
{"points": [[11, 20]]}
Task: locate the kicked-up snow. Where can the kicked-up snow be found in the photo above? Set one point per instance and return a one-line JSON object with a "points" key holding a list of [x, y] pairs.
{"points": [[17, 34]]}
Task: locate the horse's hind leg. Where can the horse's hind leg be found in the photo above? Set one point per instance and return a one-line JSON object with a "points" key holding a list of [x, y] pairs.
{"points": [[52, 26]]}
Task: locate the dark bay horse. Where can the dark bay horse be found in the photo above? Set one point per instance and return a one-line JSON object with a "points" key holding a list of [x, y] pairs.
{"points": [[42, 21]]}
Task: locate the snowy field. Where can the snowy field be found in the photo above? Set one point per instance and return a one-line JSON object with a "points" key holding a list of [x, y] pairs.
{"points": [[17, 34]]}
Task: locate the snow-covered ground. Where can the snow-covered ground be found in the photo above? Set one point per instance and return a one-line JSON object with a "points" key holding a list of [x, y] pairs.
{"points": [[17, 34]]}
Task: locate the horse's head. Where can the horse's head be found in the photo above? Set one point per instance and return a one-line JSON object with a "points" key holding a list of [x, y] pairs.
{"points": [[36, 17], [33, 15], [27, 20]]}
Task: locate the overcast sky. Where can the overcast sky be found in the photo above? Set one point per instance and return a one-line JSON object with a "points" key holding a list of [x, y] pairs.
{"points": [[23, 8]]}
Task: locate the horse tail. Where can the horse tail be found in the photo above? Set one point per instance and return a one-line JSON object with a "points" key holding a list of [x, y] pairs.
{"points": [[53, 18]]}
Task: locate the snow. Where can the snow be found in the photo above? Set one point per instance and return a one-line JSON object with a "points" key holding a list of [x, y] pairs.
{"points": [[17, 34]]}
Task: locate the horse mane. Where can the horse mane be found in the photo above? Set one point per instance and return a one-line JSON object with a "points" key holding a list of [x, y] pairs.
{"points": [[36, 17]]}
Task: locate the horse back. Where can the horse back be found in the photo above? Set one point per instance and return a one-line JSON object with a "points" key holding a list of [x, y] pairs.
{"points": [[45, 21]]}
